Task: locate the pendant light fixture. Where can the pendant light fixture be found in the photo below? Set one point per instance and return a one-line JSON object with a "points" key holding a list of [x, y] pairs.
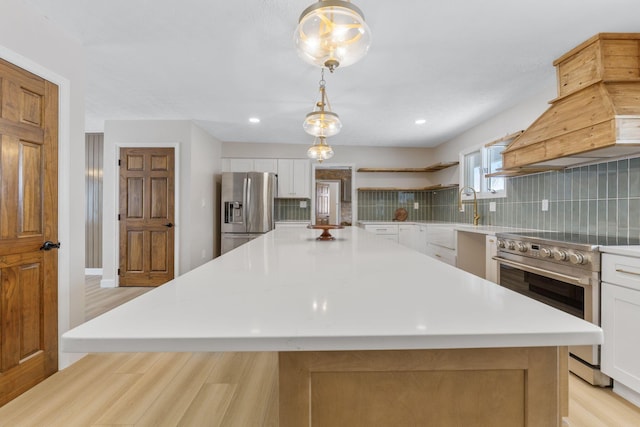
{"points": [[320, 150], [322, 121], [332, 33]]}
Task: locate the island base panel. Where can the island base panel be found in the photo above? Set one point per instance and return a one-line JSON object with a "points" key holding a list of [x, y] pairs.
{"points": [[480, 387]]}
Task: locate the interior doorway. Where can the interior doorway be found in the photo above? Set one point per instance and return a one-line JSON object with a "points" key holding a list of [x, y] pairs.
{"points": [[328, 197], [333, 201]]}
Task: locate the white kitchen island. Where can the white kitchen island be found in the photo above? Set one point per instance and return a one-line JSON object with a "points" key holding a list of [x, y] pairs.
{"points": [[368, 332]]}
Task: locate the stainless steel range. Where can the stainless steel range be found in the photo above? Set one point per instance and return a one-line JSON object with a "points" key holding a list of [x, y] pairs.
{"points": [[563, 271]]}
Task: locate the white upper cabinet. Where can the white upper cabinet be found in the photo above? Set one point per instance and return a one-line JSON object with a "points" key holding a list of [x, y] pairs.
{"points": [[250, 165], [294, 178]]}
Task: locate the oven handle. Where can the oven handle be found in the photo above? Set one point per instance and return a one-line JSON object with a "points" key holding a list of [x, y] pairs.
{"points": [[580, 281]]}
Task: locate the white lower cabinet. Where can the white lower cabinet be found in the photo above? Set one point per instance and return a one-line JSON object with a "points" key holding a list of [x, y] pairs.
{"points": [[620, 323], [491, 265], [441, 253], [386, 231], [408, 235]]}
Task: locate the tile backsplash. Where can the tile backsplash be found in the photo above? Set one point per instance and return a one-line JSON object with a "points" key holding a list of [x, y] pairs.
{"points": [[601, 199], [290, 210]]}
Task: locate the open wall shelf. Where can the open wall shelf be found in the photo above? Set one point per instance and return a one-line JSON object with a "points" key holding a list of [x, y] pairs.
{"points": [[433, 168], [429, 188]]}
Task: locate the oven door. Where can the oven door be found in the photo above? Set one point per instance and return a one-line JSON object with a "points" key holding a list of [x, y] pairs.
{"points": [[573, 291]]}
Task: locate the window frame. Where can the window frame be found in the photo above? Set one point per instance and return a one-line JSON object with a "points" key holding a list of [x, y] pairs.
{"points": [[485, 150]]}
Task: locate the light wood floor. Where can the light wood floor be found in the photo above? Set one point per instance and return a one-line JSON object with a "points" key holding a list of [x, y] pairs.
{"points": [[205, 389]]}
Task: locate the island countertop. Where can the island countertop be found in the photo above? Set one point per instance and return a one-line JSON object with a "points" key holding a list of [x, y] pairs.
{"points": [[286, 291]]}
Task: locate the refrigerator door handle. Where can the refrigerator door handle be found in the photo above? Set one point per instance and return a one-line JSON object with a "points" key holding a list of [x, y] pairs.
{"points": [[246, 204]]}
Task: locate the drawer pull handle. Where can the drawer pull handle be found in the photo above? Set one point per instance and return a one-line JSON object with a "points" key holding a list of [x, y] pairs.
{"points": [[620, 270]]}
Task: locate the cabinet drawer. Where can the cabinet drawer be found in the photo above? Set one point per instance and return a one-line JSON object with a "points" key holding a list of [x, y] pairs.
{"points": [[382, 228], [621, 270], [442, 254]]}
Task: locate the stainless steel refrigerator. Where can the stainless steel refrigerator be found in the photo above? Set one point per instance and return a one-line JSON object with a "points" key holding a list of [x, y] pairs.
{"points": [[247, 200]]}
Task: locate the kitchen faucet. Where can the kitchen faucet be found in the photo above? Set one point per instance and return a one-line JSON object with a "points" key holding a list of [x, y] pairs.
{"points": [[476, 216]]}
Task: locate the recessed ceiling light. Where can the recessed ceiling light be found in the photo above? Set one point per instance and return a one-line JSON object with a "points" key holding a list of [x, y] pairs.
{"points": [[421, 121], [254, 120]]}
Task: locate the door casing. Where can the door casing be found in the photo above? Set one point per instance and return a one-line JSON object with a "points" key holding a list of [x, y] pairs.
{"points": [[354, 198]]}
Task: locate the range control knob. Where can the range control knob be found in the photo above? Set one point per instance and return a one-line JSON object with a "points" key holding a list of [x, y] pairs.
{"points": [[577, 258], [501, 243], [522, 247], [560, 255], [511, 245], [546, 253]]}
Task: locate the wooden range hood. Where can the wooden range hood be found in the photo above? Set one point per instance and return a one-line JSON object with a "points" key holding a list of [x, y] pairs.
{"points": [[596, 115]]}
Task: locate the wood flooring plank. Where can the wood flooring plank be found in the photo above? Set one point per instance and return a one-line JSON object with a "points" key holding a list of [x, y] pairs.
{"points": [[170, 406], [595, 406], [132, 404], [210, 406], [48, 399]]}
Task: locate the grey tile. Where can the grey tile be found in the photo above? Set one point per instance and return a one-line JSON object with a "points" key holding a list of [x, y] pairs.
{"points": [[602, 181], [583, 183], [623, 178], [574, 227], [612, 217], [634, 218], [634, 177], [567, 185], [592, 182], [553, 186], [623, 218], [583, 216], [612, 180], [602, 217], [592, 213]]}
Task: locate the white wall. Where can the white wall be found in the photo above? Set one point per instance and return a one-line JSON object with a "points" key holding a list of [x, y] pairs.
{"points": [[360, 156], [518, 117], [197, 164], [28, 40]]}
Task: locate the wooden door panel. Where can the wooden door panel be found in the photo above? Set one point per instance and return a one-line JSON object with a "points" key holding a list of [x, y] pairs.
{"points": [[30, 189], [28, 217], [147, 216], [159, 198], [135, 199], [159, 241], [135, 250]]}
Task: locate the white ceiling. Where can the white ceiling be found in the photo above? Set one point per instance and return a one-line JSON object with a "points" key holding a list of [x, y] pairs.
{"points": [[453, 63]]}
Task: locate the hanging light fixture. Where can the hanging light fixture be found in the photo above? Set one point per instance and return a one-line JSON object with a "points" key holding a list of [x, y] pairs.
{"points": [[320, 150], [322, 121], [332, 33]]}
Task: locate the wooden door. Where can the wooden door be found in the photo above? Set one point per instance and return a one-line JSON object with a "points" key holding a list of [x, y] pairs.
{"points": [[28, 218], [146, 216]]}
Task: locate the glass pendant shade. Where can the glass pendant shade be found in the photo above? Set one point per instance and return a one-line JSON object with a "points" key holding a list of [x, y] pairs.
{"points": [[332, 33], [322, 122], [320, 150]]}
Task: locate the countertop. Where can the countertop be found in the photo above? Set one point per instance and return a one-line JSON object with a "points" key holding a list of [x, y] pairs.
{"points": [[286, 291], [470, 228], [626, 250]]}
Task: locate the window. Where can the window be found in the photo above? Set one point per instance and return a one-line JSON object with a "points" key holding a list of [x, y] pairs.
{"points": [[478, 162]]}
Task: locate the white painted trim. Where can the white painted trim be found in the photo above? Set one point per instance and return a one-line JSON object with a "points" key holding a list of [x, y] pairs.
{"points": [[64, 136], [108, 283], [93, 272], [176, 185], [354, 195]]}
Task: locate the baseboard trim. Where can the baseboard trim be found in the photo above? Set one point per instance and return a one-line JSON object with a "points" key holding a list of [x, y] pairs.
{"points": [[107, 283], [93, 271]]}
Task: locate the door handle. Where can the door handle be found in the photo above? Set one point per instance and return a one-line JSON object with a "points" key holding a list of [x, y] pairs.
{"points": [[169, 225], [48, 245]]}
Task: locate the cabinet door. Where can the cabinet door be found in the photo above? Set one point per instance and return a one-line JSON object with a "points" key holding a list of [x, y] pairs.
{"points": [[265, 165], [408, 236], [294, 178], [621, 348], [240, 165], [301, 178]]}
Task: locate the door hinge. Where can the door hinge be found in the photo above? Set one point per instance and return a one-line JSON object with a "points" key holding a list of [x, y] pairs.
{"points": [[118, 272], [118, 217], [119, 162]]}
